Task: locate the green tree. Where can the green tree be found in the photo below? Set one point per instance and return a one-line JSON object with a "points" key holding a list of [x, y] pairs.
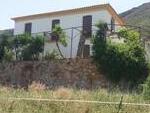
{"points": [[5, 47], [28, 47], [120, 61], [20, 43], [60, 37], [35, 47]]}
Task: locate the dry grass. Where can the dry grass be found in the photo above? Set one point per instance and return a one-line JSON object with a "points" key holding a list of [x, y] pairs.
{"points": [[62, 93], [37, 86], [37, 90]]}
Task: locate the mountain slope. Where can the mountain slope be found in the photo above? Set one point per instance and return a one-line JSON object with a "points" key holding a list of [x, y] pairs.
{"points": [[139, 16]]}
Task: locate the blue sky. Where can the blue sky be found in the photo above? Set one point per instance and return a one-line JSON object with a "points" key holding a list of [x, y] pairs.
{"points": [[12, 8]]}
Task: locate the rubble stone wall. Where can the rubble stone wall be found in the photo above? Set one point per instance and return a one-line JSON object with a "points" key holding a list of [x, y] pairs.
{"points": [[78, 73]]}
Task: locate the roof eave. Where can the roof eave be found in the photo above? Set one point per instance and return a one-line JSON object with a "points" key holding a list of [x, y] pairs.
{"points": [[62, 11]]}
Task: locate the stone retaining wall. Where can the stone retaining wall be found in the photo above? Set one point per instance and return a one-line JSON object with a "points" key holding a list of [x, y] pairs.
{"points": [[78, 73]]}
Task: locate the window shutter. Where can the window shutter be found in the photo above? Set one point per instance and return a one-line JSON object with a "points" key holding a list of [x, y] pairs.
{"points": [[55, 36], [87, 26], [54, 23], [28, 28], [112, 24]]}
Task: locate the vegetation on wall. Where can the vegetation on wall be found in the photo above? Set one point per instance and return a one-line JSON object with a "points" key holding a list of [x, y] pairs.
{"points": [[120, 61]]}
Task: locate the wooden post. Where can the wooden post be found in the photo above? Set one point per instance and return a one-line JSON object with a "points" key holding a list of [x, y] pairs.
{"points": [[81, 45], [72, 31]]}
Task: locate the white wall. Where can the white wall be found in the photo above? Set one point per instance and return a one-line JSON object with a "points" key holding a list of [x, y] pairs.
{"points": [[68, 21]]}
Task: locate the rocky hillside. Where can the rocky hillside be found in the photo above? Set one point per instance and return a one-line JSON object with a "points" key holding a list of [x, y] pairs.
{"points": [[139, 16]]}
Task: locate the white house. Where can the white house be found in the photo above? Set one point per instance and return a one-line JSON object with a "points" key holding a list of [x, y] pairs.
{"points": [[78, 19]]}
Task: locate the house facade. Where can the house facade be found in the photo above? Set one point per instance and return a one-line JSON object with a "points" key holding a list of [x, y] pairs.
{"points": [[72, 21]]}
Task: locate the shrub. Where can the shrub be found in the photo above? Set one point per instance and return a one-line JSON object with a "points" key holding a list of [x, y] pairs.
{"points": [[20, 44], [120, 61], [146, 89], [52, 56], [35, 47], [5, 47], [28, 47], [8, 56]]}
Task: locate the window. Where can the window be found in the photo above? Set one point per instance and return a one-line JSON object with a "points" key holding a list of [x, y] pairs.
{"points": [[87, 25], [28, 28], [55, 22], [112, 24], [55, 37]]}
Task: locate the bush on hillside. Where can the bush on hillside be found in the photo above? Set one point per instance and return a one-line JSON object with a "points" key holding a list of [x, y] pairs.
{"points": [[120, 61]]}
